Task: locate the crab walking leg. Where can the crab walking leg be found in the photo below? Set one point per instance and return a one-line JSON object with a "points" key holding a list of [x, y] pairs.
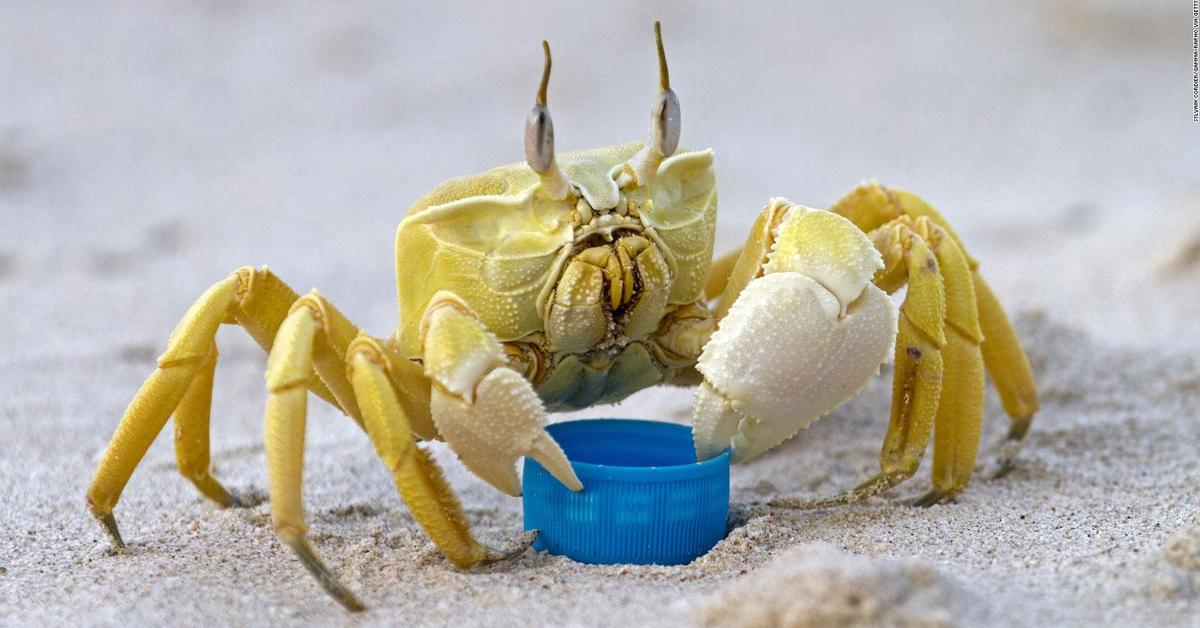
{"points": [[487, 412], [1006, 363], [255, 299], [289, 369], [917, 376], [192, 455], [264, 301], [870, 205], [959, 417], [188, 349], [1002, 353], [806, 330], [417, 477], [412, 390]]}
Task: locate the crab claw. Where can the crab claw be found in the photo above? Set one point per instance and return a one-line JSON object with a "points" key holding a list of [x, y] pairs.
{"points": [[504, 422], [805, 332], [488, 414]]}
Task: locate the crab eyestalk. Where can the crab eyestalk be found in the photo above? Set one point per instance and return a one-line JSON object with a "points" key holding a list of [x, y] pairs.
{"points": [[539, 141], [664, 122]]}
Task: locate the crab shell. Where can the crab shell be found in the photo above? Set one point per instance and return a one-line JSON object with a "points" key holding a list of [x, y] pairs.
{"points": [[494, 241]]}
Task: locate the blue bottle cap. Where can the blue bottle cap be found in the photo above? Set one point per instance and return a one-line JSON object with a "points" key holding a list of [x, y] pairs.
{"points": [[645, 499]]}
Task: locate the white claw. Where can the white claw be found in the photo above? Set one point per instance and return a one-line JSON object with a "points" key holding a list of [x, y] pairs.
{"points": [[827, 248], [547, 452], [714, 422], [797, 342], [500, 472], [504, 421], [488, 414], [782, 358]]}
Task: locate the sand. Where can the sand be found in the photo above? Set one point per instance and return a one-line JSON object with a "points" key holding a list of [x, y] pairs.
{"points": [[145, 153]]}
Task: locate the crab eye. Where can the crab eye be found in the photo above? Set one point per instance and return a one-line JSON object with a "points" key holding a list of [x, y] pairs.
{"points": [[666, 122], [664, 126], [539, 128], [539, 142], [665, 113]]}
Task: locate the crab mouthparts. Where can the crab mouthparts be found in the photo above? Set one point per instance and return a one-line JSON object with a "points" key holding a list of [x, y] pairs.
{"points": [[604, 226], [591, 224]]}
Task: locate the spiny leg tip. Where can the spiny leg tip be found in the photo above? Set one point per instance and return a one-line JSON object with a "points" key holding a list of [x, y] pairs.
{"points": [[782, 502], [233, 500], [525, 541], [874, 486], [109, 523], [352, 604], [1004, 466], [114, 533], [1010, 449], [814, 504], [1019, 430], [308, 557], [795, 503], [933, 497]]}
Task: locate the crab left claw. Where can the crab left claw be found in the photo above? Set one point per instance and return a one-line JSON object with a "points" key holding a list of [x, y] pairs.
{"points": [[802, 328], [487, 412]]}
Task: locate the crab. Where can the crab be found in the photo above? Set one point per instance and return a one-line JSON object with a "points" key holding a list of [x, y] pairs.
{"points": [[573, 280]]}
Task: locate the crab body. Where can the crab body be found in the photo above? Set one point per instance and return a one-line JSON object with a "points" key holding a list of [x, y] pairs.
{"points": [[576, 290], [577, 279]]}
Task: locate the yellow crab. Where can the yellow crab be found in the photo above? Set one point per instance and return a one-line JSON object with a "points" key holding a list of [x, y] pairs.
{"points": [[575, 280]]}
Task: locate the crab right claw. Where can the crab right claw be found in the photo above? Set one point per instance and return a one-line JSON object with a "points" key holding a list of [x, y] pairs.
{"points": [[487, 412], [802, 329]]}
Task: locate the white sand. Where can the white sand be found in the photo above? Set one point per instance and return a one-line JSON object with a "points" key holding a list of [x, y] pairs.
{"points": [[143, 155]]}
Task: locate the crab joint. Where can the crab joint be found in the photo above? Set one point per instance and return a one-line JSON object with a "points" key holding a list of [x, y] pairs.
{"points": [[539, 140]]}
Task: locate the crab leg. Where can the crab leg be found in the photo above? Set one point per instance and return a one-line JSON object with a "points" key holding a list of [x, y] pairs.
{"points": [[255, 299], [188, 351], [870, 205], [487, 412], [313, 338], [289, 369], [960, 402], [417, 477], [1002, 353], [1008, 366], [264, 301], [192, 433], [959, 419]]}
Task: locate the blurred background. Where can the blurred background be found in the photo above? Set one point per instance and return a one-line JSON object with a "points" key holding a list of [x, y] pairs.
{"points": [[148, 149], [145, 151]]}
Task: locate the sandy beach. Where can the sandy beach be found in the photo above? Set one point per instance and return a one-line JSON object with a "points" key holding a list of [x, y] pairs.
{"points": [[147, 152]]}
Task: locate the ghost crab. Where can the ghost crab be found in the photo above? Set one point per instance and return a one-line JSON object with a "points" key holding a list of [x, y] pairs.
{"points": [[574, 280]]}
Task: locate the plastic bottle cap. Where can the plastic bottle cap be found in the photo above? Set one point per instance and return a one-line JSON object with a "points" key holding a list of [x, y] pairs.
{"points": [[645, 499]]}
